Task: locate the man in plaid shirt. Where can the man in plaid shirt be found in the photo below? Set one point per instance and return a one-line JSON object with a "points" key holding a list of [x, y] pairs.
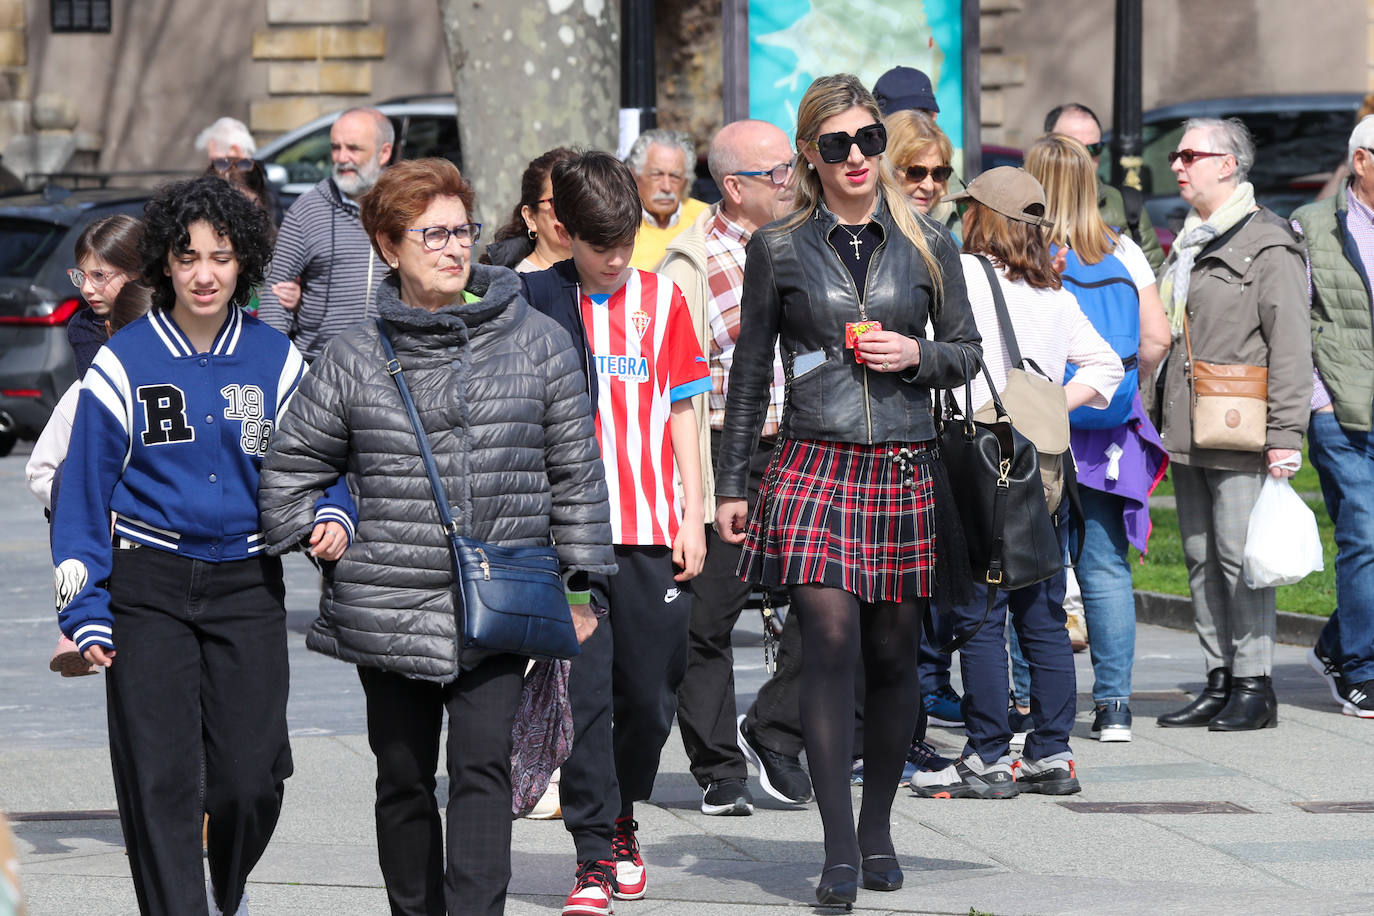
{"points": [[751, 163]]}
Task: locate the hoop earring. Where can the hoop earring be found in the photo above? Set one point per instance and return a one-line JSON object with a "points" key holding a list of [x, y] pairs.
{"points": [[532, 234]]}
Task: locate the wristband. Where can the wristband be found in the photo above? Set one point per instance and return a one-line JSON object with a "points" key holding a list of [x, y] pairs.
{"points": [[576, 598]]}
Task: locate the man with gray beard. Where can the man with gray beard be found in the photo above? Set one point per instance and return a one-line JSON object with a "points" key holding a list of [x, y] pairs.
{"points": [[322, 244]]}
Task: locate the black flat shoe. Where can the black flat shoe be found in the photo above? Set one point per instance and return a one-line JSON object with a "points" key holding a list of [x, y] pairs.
{"points": [[1206, 707], [882, 873], [838, 892], [1252, 706]]}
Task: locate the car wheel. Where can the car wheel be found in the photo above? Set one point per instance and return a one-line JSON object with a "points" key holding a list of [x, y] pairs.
{"points": [[7, 441]]}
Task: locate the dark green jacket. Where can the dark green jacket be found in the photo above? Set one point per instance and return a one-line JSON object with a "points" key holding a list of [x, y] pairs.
{"points": [[1342, 328], [1113, 210]]}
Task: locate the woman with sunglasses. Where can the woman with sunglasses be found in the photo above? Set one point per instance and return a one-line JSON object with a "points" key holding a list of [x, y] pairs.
{"points": [[847, 513], [528, 241], [1235, 289], [920, 154], [501, 390]]}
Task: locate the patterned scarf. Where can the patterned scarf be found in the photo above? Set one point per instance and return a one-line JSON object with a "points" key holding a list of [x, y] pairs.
{"points": [[1191, 239]]}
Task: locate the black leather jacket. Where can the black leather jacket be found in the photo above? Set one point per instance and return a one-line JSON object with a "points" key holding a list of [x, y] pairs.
{"points": [[797, 292]]}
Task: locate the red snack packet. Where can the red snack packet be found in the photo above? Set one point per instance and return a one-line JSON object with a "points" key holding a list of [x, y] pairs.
{"points": [[853, 330]]}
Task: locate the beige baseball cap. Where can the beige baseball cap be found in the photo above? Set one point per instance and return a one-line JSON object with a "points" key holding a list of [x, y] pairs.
{"points": [[1011, 191]]}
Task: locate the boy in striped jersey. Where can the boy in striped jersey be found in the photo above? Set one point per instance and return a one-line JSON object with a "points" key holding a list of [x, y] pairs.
{"points": [[643, 365]]}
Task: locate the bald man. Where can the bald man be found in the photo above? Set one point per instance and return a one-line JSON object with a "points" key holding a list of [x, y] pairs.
{"points": [[751, 162], [322, 241]]}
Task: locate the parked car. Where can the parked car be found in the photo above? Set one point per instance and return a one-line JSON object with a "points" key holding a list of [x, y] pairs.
{"points": [[38, 233], [1299, 140], [426, 125]]}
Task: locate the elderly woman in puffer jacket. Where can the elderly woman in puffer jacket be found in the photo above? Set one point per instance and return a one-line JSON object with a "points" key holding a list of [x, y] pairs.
{"points": [[501, 393]]}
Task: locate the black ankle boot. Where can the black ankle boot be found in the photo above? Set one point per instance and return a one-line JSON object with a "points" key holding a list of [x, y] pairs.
{"points": [[1252, 705], [1206, 707]]}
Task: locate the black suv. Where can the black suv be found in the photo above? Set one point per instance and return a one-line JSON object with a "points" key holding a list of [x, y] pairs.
{"points": [[1299, 140], [37, 235]]}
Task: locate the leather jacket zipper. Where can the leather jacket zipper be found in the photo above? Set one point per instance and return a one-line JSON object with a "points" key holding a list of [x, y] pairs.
{"points": [[863, 316]]}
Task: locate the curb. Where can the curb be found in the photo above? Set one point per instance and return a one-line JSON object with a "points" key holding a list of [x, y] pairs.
{"points": [[1176, 612]]}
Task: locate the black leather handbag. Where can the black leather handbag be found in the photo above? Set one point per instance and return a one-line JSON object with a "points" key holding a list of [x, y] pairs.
{"points": [[994, 473], [508, 599]]}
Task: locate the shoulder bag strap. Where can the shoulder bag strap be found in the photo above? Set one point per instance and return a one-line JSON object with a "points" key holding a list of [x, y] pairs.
{"points": [[393, 368], [1003, 317]]}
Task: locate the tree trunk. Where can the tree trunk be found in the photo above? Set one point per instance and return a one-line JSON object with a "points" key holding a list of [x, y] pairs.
{"points": [[529, 75]]}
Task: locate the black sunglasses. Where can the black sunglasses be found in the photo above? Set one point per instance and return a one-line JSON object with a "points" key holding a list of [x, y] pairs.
{"points": [[1095, 149], [224, 164], [834, 146], [918, 173]]}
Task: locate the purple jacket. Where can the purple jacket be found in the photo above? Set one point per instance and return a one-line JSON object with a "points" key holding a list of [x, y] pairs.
{"points": [[1140, 467]]}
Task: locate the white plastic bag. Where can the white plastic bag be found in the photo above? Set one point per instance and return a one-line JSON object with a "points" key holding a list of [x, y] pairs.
{"points": [[1281, 544]]}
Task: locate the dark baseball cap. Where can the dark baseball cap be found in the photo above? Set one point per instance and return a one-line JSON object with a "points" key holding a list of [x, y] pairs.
{"points": [[904, 87]]}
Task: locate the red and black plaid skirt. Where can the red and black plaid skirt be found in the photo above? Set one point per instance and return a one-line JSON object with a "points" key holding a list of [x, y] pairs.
{"points": [[856, 517]]}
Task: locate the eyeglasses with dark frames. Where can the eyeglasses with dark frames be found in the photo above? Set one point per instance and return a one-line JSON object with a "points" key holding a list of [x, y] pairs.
{"points": [[99, 278], [834, 146], [223, 164], [777, 174], [436, 237], [1189, 156], [917, 173], [1095, 149]]}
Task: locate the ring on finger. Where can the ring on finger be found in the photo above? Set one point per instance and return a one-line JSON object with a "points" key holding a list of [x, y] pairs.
{"points": [[885, 365]]}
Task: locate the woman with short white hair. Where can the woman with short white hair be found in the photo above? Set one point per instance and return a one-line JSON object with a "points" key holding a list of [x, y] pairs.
{"points": [[1235, 289]]}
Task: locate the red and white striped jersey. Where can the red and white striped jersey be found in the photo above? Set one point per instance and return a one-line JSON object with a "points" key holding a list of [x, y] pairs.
{"points": [[646, 358]]}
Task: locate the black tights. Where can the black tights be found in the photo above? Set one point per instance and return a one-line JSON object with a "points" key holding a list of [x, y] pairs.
{"points": [[835, 628]]}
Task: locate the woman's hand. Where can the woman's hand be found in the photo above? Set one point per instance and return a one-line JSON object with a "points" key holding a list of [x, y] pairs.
{"points": [[328, 541], [888, 351], [584, 621], [689, 549], [97, 655], [1273, 458], [732, 520]]}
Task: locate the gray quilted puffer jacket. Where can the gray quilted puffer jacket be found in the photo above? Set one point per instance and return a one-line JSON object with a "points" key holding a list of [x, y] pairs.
{"points": [[500, 390]]}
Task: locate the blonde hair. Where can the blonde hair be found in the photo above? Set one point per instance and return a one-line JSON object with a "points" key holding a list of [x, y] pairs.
{"points": [[1064, 168], [829, 96], [909, 133]]}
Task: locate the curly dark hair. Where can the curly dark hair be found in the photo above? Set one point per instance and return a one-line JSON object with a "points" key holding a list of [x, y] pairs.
{"points": [[167, 219]]}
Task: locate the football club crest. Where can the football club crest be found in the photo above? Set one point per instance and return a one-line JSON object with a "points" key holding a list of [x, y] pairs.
{"points": [[641, 322]]}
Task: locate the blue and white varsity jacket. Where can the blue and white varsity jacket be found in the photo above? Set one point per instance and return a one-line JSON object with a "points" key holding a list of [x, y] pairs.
{"points": [[171, 442]]}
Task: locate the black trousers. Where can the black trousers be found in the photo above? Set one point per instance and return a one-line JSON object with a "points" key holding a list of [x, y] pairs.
{"points": [[623, 690], [404, 719], [706, 700], [198, 687]]}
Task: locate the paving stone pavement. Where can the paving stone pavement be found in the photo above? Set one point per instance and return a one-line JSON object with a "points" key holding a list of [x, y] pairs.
{"points": [[1031, 854]]}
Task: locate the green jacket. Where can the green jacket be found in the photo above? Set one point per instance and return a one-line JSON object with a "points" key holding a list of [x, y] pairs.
{"points": [[1342, 327], [1113, 210]]}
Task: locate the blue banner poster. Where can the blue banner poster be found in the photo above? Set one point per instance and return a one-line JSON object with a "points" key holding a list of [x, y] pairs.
{"points": [[791, 42]]}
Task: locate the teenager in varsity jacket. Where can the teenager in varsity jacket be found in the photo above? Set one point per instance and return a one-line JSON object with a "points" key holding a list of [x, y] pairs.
{"points": [[185, 609]]}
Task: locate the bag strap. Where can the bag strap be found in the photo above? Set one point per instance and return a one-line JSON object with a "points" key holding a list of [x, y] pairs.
{"points": [[1003, 317], [393, 369]]}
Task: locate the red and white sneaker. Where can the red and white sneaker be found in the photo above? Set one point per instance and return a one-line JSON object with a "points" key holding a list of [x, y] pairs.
{"points": [[630, 877], [592, 888]]}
